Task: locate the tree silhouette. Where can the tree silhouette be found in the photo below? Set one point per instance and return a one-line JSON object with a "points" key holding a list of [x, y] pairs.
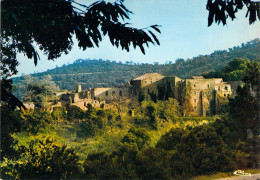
{"points": [[221, 10], [51, 25]]}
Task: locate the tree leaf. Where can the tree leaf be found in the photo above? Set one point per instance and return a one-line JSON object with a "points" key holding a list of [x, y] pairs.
{"points": [[155, 28], [154, 37]]}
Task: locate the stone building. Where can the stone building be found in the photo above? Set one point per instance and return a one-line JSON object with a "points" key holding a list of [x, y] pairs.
{"points": [[205, 95], [202, 96]]}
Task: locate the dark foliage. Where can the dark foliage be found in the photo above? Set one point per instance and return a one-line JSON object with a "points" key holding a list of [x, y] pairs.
{"points": [[245, 106], [205, 148], [94, 121], [6, 95], [75, 112], [50, 26], [138, 136], [33, 121], [10, 123], [179, 154], [44, 160], [221, 10]]}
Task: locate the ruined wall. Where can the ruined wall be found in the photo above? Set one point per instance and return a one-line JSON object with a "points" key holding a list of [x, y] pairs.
{"points": [[150, 80], [111, 93], [223, 90], [136, 87], [201, 95], [146, 86], [198, 95]]}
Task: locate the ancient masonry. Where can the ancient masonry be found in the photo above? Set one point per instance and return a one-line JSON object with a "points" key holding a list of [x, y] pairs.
{"points": [[198, 95]]}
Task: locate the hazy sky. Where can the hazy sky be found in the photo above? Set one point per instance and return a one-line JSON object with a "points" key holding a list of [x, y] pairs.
{"points": [[185, 34]]}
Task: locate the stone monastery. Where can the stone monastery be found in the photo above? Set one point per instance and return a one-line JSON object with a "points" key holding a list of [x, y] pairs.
{"points": [[198, 96]]}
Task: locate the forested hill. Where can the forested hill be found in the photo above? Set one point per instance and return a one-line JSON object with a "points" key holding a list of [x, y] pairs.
{"points": [[96, 73]]}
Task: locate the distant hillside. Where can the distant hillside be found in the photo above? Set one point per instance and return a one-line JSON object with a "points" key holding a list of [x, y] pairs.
{"points": [[96, 73]]}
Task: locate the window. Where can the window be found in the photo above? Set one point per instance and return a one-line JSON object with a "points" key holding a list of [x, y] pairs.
{"points": [[113, 92], [226, 88], [120, 93], [194, 92], [224, 94], [144, 82], [208, 93], [194, 100], [106, 93], [208, 85], [194, 85], [195, 107]]}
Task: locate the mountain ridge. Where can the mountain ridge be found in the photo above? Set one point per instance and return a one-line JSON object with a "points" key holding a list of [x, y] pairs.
{"points": [[94, 73]]}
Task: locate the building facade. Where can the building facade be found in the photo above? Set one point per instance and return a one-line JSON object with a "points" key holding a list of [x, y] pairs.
{"points": [[198, 95]]}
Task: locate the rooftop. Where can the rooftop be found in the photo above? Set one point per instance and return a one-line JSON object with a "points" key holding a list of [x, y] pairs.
{"points": [[198, 77], [147, 75]]}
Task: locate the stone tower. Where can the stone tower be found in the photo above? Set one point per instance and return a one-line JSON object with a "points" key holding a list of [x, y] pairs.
{"points": [[79, 88]]}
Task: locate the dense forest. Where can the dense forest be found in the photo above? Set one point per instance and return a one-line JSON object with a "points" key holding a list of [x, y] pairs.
{"points": [[105, 73]]}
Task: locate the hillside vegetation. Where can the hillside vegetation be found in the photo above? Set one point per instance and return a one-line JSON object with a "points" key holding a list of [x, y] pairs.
{"points": [[105, 73], [147, 140]]}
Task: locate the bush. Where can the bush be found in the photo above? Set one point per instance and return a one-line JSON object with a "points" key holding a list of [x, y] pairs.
{"points": [[10, 122], [75, 112], [10, 169], [138, 136], [152, 164], [59, 113], [204, 149], [34, 120], [95, 121], [44, 159]]}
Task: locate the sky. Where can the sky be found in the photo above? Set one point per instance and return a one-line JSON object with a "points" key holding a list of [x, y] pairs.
{"points": [[184, 34]]}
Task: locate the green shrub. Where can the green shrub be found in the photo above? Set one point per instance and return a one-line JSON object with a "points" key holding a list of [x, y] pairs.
{"points": [[204, 149], [138, 136], [59, 113], [34, 120], [75, 112], [10, 169], [44, 159], [95, 121]]}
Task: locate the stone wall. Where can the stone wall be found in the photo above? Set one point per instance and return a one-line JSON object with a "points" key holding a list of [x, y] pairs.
{"points": [[203, 96], [113, 93]]}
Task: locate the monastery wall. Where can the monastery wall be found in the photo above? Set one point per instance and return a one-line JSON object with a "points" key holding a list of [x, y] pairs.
{"points": [[204, 96], [111, 93]]}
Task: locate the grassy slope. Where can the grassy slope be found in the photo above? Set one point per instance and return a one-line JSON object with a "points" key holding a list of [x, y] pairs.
{"points": [[74, 136]]}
